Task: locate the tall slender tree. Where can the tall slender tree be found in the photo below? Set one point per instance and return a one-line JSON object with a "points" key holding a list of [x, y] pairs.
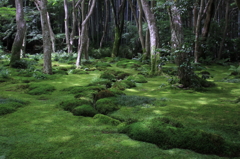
{"points": [[152, 26], [47, 47], [21, 27]]}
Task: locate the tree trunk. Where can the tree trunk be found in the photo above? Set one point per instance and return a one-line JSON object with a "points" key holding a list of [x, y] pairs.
{"points": [[198, 24], [83, 36], [21, 27], [66, 23], [74, 21], [47, 46], [105, 24], [52, 36], [225, 30], [118, 14], [153, 36]]}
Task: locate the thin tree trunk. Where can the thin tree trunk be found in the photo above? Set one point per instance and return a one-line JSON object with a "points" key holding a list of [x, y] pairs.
{"points": [[225, 30], [52, 35], [84, 37], [21, 27], [66, 23], [47, 47], [198, 24], [153, 35], [74, 21], [105, 24]]}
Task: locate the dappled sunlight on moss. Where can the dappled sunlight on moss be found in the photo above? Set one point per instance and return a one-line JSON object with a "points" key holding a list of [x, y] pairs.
{"points": [[60, 138]]}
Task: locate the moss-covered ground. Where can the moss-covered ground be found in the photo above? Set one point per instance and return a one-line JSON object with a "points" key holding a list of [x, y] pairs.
{"points": [[41, 130]]}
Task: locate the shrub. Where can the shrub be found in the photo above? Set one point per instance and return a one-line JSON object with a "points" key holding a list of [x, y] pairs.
{"points": [[137, 78], [131, 101], [106, 119], [69, 105], [84, 110], [38, 89], [168, 134], [106, 105]]}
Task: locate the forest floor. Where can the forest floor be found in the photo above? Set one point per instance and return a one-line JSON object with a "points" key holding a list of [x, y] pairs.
{"points": [[40, 130]]}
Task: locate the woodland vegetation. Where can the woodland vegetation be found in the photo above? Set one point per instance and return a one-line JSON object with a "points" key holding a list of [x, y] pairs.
{"points": [[119, 79]]}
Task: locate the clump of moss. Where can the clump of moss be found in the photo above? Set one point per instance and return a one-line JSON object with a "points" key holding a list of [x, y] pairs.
{"points": [[79, 72], [69, 105], [122, 75], [104, 94], [100, 82], [84, 110], [120, 85], [106, 119], [108, 75], [137, 78], [102, 65], [8, 105], [38, 89], [168, 134], [106, 105], [117, 92]]}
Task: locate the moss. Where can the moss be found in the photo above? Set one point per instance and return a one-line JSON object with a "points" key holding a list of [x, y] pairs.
{"points": [[137, 78], [122, 75], [116, 91], [120, 85], [106, 105], [168, 134], [38, 89], [129, 83], [108, 76], [104, 94], [106, 119], [69, 105], [102, 65], [8, 105], [84, 110], [79, 72]]}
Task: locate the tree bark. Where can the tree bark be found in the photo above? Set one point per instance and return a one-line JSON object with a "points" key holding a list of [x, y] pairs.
{"points": [[52, 35], [105, 24], [198, 24], [21, 27], [225, 30], [66, 23], [118, 14], [83, 36], [47, 46], [153, 36]]}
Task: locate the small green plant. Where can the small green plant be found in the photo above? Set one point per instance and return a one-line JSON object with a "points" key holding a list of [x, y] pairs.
{"points": [[235, 70]]}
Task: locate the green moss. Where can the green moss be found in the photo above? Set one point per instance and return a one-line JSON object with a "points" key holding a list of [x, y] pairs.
{"points": [[84, 110], [106, 105], [69, 105], [104, 94], [102, 65], [38, 89], [8, 105], [120, 85], [168, 134], [137, 78], [106, 119], [108, 76], [79, 72]]}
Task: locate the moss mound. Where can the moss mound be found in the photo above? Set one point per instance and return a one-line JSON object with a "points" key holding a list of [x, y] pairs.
{"points": [[38, 89], [69, 105], [106, 119], [137, 78], [131, 101], [168, 134], [8, 105], [84, 110], [108, 75], [104, 94], [106, 105]]}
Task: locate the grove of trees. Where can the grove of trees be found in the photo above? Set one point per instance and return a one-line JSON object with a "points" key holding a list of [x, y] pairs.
{"points": [[183, 31]]}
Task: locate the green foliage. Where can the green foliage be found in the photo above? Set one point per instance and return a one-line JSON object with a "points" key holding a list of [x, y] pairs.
{"points": [[102, 65], [137, 78], [9, 105], [100, 53], [40, 75], [69, 105], [4, 73], [100, 81], [22, 64], [235, 70], [106, 105], [167, 134], [7, 13], [132, 101], [106, 119], [122, 75], [38, 89], [84, 110]]}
